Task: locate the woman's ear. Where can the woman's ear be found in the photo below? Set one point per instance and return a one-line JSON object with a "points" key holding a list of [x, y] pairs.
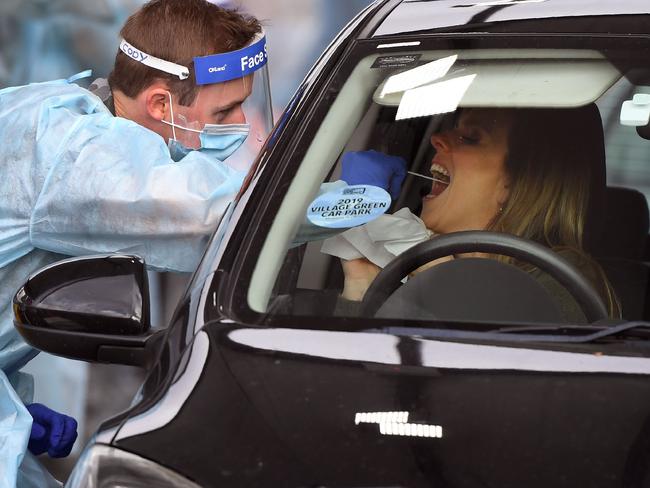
{"points": [[504, 192], [157, 103]]}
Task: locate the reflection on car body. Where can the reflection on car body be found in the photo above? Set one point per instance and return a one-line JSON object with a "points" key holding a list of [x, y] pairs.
{"points": [[508, 366]]}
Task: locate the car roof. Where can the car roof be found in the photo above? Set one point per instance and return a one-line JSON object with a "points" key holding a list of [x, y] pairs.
{"points": [[414, 16]]}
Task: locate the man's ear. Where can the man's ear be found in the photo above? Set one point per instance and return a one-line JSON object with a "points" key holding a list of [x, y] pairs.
{"points": [[157, 103]]}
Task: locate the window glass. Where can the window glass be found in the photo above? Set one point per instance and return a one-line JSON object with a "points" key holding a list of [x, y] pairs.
{"points": [[549, 146]]}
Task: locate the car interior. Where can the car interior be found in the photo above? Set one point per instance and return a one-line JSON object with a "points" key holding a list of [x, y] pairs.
{"points": [[301, 280]]}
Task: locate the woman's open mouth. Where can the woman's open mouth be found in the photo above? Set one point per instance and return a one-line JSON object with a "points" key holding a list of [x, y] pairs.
{"points": [[441, 180]]}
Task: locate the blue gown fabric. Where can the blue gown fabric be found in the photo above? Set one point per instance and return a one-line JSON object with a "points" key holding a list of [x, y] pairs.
{"points": [[77, 180]]}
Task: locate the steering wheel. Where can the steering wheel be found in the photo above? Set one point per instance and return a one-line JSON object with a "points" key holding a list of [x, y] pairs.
{"points": [[389, 279]]}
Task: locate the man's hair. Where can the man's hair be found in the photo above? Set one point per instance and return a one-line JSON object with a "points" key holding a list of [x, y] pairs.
{"points": [[178, 31]]}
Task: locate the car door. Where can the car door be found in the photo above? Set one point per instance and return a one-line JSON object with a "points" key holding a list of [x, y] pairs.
{"points": [[375, 409], [332, 396]]}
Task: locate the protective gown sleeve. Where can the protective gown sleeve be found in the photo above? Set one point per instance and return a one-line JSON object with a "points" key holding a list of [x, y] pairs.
{"points": [[18, 467], [112, 187], [14, 424]]}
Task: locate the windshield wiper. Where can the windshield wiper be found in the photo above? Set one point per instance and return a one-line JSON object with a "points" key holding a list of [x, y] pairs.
{"points": [[575, 333], [564, 334]]}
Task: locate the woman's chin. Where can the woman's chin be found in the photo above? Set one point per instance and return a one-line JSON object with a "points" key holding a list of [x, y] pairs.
{"points": [[430, 220], [433, 210]]}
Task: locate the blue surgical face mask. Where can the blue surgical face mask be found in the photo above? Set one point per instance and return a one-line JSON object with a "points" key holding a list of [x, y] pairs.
{"points": [[219, 145], [217, 140]]}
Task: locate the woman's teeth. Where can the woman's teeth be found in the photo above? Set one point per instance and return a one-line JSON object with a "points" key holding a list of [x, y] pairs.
{"points": [[441, 180], [440, 173]]}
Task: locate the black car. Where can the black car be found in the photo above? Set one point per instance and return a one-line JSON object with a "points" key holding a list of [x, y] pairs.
{"points": [[468, 375]]}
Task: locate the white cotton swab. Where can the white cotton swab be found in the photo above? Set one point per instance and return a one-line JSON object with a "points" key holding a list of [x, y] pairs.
{"points": [[427, 177]]}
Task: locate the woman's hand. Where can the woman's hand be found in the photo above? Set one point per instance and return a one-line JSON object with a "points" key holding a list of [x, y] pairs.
{"points": [[359, 273]]}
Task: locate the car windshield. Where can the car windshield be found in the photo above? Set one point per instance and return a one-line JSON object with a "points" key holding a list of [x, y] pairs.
{"points": [[423, 157]]}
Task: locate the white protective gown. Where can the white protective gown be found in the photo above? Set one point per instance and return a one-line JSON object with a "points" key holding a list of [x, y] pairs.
{"points": [[76, 180]]}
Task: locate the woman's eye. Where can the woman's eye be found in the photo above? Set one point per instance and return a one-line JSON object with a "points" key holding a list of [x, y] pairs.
{"points": [[469, 140]]}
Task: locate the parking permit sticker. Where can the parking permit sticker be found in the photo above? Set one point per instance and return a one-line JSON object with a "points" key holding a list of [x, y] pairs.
{"points": [[348, 207]]}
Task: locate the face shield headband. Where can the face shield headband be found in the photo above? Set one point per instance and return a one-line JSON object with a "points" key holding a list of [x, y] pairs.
{"points": [[215, 68]]}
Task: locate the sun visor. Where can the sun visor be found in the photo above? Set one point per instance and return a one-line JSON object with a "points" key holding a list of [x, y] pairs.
{"points": [[507, 79]]}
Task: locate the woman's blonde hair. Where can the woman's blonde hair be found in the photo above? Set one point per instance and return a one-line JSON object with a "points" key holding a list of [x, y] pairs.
{"points": [[552, 165]]}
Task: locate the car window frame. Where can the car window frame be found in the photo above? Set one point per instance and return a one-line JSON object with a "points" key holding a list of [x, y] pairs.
{"points": [[280, 168]]}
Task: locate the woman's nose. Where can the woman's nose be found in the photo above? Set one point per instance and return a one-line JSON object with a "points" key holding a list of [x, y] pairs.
{"points": [[440, 141]]}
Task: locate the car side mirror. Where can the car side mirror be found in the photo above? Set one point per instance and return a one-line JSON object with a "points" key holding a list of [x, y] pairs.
{"points": [[93, 308]]}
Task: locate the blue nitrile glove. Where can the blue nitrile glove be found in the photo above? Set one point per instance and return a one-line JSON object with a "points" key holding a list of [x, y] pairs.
{"points": [[374, 168], [51, 431]]}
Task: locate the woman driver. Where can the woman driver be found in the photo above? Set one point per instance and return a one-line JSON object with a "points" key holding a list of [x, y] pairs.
{"points": [[519, 171]]}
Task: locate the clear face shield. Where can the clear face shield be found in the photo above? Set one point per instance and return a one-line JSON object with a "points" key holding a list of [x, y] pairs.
{"points": [[231, 116]]}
